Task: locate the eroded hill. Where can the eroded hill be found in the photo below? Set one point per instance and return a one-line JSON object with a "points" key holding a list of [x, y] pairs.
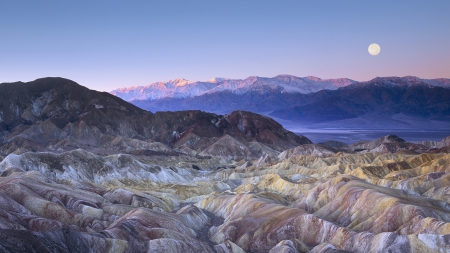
{"points": [[91, 173]]}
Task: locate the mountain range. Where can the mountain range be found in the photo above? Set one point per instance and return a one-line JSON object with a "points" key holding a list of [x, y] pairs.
{"points": [[400, 102], [85, 171], [181, 88], [58, 114]]}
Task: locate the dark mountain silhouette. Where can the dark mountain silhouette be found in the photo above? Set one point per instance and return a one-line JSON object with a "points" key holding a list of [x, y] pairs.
{"points": [[227, 101], [380, 96]]}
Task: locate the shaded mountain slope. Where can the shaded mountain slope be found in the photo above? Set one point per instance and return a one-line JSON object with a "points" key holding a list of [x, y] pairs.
{"points": [[227, 101], [55, 98], [57, 113], [379, 96]]}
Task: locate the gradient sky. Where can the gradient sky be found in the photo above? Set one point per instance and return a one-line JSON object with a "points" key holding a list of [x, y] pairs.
{"points": [[109, 44]]}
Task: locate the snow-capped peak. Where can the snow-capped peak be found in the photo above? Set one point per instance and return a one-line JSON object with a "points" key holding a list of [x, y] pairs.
{"points": [[313, 78], [179, 82], [217, 80], [182, 88]]}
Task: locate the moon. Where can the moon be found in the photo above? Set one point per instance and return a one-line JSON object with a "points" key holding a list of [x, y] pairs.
{"points": [[374, 49]]}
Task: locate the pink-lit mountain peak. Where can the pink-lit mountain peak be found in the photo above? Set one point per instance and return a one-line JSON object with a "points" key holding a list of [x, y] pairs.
{"points": [[217, 80], [182, 88], [313, 78], [179, 82]]}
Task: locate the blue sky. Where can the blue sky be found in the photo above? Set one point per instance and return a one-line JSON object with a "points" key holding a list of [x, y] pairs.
{"points": [[109, 44]]}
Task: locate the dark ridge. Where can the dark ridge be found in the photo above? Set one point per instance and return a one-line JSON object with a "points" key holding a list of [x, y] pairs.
{"points": [[59, 113]]}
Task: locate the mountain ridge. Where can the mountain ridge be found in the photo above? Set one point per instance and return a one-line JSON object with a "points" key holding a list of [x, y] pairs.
{"points": [[59, 114], [382, 96], [421, 99], [181, 88]]}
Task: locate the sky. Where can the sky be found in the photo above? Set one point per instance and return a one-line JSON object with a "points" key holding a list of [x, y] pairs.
{"points": [[107, 44]]}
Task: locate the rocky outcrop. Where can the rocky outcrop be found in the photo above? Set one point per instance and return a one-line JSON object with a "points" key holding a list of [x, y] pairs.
{"points": [[388, 143], [368, 145], [229, 147], [444, 143], [308, 149], [336, 145], [262, 129]]}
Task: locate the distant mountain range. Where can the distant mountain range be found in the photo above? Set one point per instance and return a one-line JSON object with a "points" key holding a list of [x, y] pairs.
{"points": [[181, 88], [380, 96], [400, 101]]}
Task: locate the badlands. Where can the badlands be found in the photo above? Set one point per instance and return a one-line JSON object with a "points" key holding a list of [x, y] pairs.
{"points": [[84, 171]]}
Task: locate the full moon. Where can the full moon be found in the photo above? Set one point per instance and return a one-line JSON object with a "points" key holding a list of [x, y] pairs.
{"points": [[374, 49]]}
